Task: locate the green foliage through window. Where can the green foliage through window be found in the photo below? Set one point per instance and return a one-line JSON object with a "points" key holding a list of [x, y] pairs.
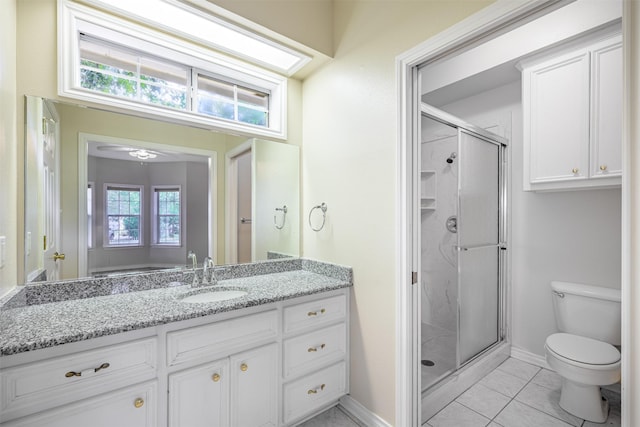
{"points": [[125, 73]]}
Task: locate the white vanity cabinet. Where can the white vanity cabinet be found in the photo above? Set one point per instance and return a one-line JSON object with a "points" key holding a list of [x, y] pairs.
{"points": [[315, 352], [240, 390], [237, 384], [572, 117], [265, 366]]}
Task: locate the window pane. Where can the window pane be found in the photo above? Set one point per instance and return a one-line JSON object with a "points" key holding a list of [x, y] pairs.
{"points": [[253, 98], [251, 116], [123, 211], [122, 72], [168, 216], [215, 98]]}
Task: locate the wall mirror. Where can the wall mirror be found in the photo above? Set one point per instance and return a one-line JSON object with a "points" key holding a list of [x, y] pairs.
{"points": [[110, 193]]}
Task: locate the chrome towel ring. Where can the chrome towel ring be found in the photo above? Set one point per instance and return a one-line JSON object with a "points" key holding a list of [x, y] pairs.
{"points": [[323, 208], [284, 217]]}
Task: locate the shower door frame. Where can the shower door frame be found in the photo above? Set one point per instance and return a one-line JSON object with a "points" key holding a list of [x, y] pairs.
{"points": [[461, 126]]}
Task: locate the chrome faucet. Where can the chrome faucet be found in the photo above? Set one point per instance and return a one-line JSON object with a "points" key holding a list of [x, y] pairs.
{"points": [[192, 256], [208, 274]]}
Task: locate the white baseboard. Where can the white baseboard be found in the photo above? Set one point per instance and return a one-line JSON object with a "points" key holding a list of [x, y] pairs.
{"points": [[526, 356], [360, 413]]}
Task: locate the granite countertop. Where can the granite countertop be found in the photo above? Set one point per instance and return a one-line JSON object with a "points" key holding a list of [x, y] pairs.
{"points": [[50, 314]]}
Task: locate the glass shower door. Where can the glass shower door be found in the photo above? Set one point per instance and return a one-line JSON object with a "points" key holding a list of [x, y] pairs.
{"points": [[479, 235]]}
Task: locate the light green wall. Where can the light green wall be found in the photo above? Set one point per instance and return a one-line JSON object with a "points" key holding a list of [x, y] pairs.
{"points": [[8, 146], [349, 162]]}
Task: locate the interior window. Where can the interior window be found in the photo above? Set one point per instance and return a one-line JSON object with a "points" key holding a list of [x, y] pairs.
{"points": [[166, 203], [123, 215]]}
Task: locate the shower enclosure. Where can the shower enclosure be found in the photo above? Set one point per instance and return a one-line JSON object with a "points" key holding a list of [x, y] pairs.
{"points": [[462, 241]]}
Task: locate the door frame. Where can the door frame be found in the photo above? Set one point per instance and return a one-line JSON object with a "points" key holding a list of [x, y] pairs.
{"points": [[496, 19]]}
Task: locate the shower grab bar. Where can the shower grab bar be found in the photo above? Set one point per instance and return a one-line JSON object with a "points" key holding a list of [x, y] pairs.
{"points": [[501, 245]]}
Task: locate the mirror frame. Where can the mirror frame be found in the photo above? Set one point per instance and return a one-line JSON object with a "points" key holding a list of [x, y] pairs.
{"points": [[84, 139]]}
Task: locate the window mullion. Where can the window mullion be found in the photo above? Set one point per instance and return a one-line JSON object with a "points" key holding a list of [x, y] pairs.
{"points": [[235, 102]]}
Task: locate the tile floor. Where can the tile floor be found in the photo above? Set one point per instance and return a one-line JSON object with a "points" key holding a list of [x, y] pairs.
{"points": [[515, 394], [333, 417]]}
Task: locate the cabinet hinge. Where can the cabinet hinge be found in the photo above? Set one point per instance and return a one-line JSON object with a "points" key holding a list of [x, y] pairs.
{"points": [[414, 277]]}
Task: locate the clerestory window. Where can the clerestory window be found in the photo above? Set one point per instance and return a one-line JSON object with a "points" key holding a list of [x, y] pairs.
{"points": [[119, 63]]}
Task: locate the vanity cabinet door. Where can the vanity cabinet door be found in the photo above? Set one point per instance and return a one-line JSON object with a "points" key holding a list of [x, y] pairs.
{"points": [[133, 406], [254, 387], [198, 397]]}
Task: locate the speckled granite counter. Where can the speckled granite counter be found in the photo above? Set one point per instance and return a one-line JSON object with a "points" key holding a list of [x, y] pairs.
{"points": [[49, 314]]}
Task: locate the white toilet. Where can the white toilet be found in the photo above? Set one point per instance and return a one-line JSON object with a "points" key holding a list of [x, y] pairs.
{"points": [[583, 353]]}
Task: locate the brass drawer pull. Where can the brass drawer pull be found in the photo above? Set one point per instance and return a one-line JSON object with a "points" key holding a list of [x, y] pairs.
{"points": [[79, 374], [215, 377], [315, 390], [575, 170], [320, 347], [603, 168], [315, 313], [138, 403], [103, 366], [244, 367]]}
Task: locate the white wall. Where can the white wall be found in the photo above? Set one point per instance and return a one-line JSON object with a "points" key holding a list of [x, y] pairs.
{"points": [[567, 235], [8, 145], [349, 162]]}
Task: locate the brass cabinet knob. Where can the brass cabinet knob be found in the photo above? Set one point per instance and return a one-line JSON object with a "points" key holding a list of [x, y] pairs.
{"points": [[575, 170], [57, 256], [603, 167], [138, 403], [215, 378], [244, 367], [315, 313]]}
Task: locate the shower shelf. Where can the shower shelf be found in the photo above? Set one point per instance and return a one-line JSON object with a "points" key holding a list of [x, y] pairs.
{"points": [[427, 190], [428, 203]]}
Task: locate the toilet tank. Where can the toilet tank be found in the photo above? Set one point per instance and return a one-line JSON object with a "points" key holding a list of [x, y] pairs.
{"points": [[587, 310]]}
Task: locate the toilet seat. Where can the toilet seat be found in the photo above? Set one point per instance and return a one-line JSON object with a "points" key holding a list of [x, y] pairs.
{"points": [[582, 350]]}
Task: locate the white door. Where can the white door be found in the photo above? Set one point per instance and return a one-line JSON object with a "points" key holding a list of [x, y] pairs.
{"points": [[198, 397], [254, 387], [50, 152]]}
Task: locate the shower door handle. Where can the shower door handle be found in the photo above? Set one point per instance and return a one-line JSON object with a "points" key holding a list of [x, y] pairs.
{"points": [[501, 246]]}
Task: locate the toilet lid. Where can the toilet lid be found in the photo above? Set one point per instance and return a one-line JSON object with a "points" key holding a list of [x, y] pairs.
{"points": [[583, 349]]}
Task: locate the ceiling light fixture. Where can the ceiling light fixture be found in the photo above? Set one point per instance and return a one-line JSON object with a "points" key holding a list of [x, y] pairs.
{"points": [[211, 30], [142, 154]]}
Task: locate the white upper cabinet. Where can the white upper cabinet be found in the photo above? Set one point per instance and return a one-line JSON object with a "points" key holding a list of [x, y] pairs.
{"points": [[606, 109], [572, 107]]}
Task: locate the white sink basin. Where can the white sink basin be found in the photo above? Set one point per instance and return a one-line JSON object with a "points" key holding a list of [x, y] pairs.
{"points": [[214, 295]]}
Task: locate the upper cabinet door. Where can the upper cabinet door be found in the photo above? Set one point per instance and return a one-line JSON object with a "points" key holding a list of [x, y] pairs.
{"points": [[558, 118], [606, 108]]}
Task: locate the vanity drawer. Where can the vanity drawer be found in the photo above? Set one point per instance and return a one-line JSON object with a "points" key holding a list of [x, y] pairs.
{"points": [[313, 350], [207, 341], [314, 313], [306, 395], [42, 385]]}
